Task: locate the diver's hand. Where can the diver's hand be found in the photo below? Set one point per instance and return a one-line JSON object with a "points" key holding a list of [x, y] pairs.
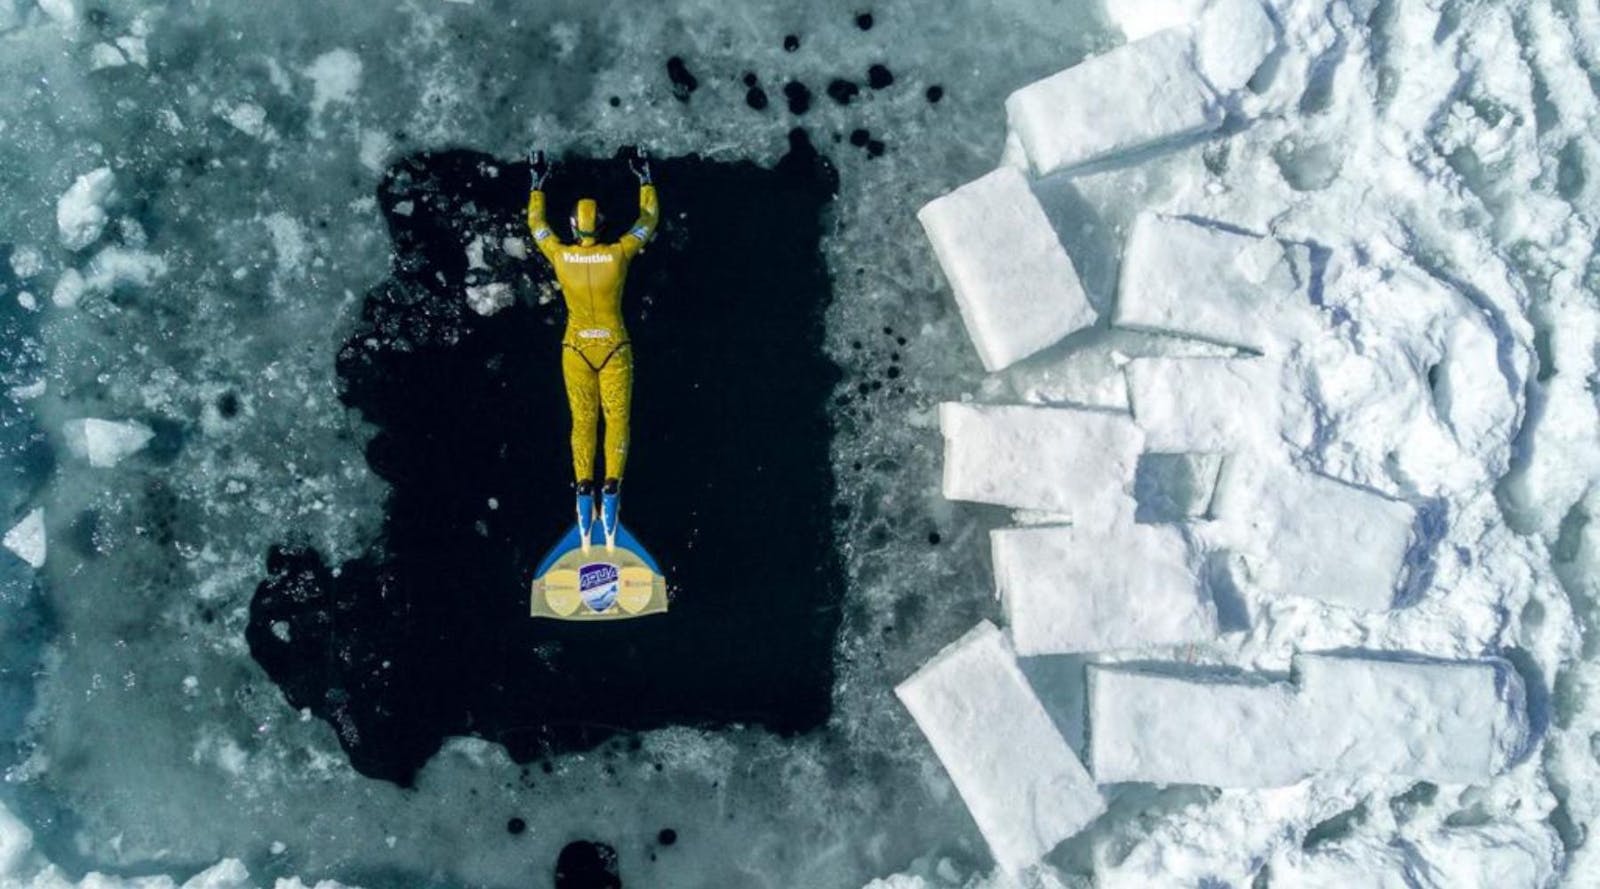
{"points": [[639, 163], [538, 168]]}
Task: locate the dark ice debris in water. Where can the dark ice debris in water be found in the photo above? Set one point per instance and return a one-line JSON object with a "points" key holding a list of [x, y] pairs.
{"points": [[791, 42], [616, 101], [859, 137], [842, 91], [427, 635], [875, 147], [864, 21], [750, 78], [879, 77], [935, 93], [683, 82], [587, 865], [756, 98], [516, 826], [798, 95], [667, 836]]}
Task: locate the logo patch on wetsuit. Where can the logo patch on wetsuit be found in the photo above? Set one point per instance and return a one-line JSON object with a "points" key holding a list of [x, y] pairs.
{"points": [[595, 333], [598, 585], [587, 258]]}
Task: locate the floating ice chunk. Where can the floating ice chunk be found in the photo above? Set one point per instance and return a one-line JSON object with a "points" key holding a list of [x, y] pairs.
{"points": [[1058, 460], [1314, 536], [1076, 589], [26, 262], [335, 78], [27, 539], [105, 443], [1203, 404], [111, 268], [489, 298], [104, 55], [64, 12], [16, 841], [246, 117], [1232, 39], [1024, 786], [134, 48], [1169, 728], [229, 873], [1137, 95], [1202, 281], [1448, 722], [81, 211], [1015, 285]]}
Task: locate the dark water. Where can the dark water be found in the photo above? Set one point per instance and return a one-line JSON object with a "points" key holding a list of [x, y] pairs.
{"points": [[728, 483]]}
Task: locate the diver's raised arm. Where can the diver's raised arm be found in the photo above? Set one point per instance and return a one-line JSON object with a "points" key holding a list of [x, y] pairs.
{"points": [[644, 228], [538, 169]]}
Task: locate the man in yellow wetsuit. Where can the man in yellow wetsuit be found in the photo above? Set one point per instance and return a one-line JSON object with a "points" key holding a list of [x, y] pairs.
{"points": [[596, 358]]}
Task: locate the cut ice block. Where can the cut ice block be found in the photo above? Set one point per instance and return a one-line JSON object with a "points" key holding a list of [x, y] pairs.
{"points": [[1058, 460], [1314, 536], [1441, 721], [1024, 786], [1452, 722], [1076, 589], [1014, 284], [1137, 95], [1183, 729], [1212, 405], [1202, 281]]}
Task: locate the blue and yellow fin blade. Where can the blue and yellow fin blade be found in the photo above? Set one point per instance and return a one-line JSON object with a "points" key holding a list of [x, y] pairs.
{"points": [[598, 582]]}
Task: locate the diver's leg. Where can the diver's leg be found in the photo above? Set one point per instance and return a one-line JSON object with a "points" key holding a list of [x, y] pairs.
{"points": [[583, 401], [616, 400]]}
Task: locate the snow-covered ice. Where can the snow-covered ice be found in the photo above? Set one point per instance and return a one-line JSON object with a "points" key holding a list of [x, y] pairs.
{"points": [[1023, 784], [1076, 462], [1015, 285], [1349, 715], [1063, 593]]}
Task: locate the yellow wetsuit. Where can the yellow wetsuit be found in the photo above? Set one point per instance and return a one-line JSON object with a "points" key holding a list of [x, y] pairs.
{"points": [[596, 359]]}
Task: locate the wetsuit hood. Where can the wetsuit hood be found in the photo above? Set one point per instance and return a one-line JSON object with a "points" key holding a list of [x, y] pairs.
{"points": [[586, 220]]}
